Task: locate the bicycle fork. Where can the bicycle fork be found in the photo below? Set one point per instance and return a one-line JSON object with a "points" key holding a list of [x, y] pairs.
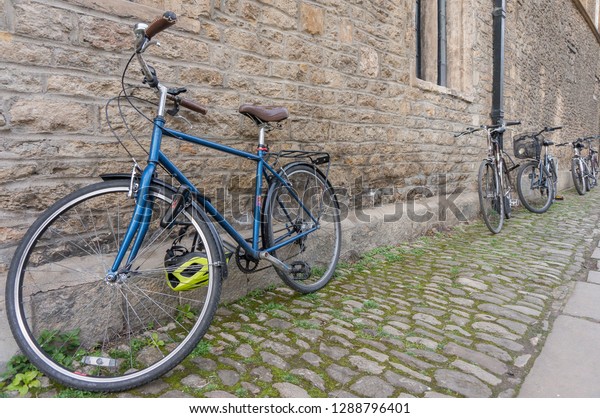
{"points": [[138, 226]]}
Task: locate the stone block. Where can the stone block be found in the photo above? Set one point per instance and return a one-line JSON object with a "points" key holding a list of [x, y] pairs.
{"points": [[42, 21], [594, 277], [312, 19], [51, 115]]}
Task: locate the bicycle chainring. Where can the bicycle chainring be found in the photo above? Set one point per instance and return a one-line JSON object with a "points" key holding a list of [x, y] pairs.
{"points": [[245, 263]]}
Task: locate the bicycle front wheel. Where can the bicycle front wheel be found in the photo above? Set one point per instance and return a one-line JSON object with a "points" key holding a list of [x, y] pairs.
{"points": [[578, 176], [587, 176], [88, 332], [535, 187], [491, 199], [314, 256], [594, 170]]}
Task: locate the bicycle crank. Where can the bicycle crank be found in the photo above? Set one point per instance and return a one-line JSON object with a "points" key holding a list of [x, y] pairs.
{"points": [[277, 263]]}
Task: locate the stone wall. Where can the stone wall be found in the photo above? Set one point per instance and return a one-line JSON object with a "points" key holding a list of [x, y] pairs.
{"points": [[344, 69], [563, 76]]}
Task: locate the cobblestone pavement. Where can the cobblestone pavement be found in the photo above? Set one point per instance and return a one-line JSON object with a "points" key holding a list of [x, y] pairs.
{"points": [[460, 314]]}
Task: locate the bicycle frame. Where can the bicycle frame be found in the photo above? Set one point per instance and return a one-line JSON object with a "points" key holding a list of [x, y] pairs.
{"points": [[143, 211], [495, 154], [542, 162]]}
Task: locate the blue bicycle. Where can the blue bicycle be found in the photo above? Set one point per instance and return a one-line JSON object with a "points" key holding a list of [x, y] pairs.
{"points": [[116, 283]]}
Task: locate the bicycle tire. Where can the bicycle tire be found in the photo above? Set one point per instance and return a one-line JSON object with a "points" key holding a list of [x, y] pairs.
{"points": [[535, 187], [507, 191], [587, 176], [553, 172], [85, 332], [490, 196], [316, 255], [578, 176], [594, 168]]}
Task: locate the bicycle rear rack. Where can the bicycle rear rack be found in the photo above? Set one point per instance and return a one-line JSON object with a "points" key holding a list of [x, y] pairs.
{"points": [[314, 157]]}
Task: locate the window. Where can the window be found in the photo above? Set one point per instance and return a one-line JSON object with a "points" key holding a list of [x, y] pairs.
{"points": [[432, 57], [443, 43]]}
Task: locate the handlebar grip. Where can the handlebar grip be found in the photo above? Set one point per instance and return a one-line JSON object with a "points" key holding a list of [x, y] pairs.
{"points": [[512, 122], [188, 104], [168, 19], [555, 128]]}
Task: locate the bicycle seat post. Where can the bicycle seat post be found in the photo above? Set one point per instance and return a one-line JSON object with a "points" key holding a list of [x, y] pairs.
{"points": [[262, 146]]}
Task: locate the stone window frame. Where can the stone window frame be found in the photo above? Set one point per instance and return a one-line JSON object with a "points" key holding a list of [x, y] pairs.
{"points": [[590, 9], [460, 24]]}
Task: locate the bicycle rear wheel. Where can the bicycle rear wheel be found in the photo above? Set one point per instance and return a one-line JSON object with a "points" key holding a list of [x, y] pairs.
{"points": [[553, 172], [594, 170], [578, 175], [491, 199], [507, 191], [91, 333], [314, 256], [587, 176], [535, 187]]}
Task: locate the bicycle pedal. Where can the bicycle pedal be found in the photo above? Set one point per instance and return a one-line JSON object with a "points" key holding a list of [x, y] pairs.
{"points": [[514, 202]]}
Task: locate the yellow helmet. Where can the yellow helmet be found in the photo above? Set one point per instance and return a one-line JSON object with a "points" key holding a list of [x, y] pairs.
{"points": [[187, 272]]}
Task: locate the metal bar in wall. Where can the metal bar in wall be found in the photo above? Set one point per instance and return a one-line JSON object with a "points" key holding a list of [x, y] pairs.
{"points": [[418, 37], [442, 45]]}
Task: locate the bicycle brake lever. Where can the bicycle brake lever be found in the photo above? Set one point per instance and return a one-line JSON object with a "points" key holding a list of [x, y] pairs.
{"points": [[190, 124], [146, 45]]}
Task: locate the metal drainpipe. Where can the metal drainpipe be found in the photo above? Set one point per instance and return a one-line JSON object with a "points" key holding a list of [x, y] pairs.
{"points": [[442, 45], [499, 15]]}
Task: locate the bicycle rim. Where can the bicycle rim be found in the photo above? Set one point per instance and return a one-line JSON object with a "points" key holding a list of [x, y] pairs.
{"points": [[507, 191], [553, 173], [577, 174], [86, 332], [587, 176], [534, 187], [315, 256], [490, 197]]}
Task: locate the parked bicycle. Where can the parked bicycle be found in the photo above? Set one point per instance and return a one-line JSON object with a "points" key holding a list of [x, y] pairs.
{"points": [[116, 283], [493, 180], [592, 161], [584, 169], [537, 179]]}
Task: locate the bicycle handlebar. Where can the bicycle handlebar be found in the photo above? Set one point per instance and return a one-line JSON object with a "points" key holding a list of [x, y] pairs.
{"points": [[159, 24], [511, 123], [546, 129], [574, 143], [492, 128], [144, 33], [555, 128]]}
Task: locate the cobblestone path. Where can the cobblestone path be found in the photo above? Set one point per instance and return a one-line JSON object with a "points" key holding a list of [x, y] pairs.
{"points": [[461, 314]]}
